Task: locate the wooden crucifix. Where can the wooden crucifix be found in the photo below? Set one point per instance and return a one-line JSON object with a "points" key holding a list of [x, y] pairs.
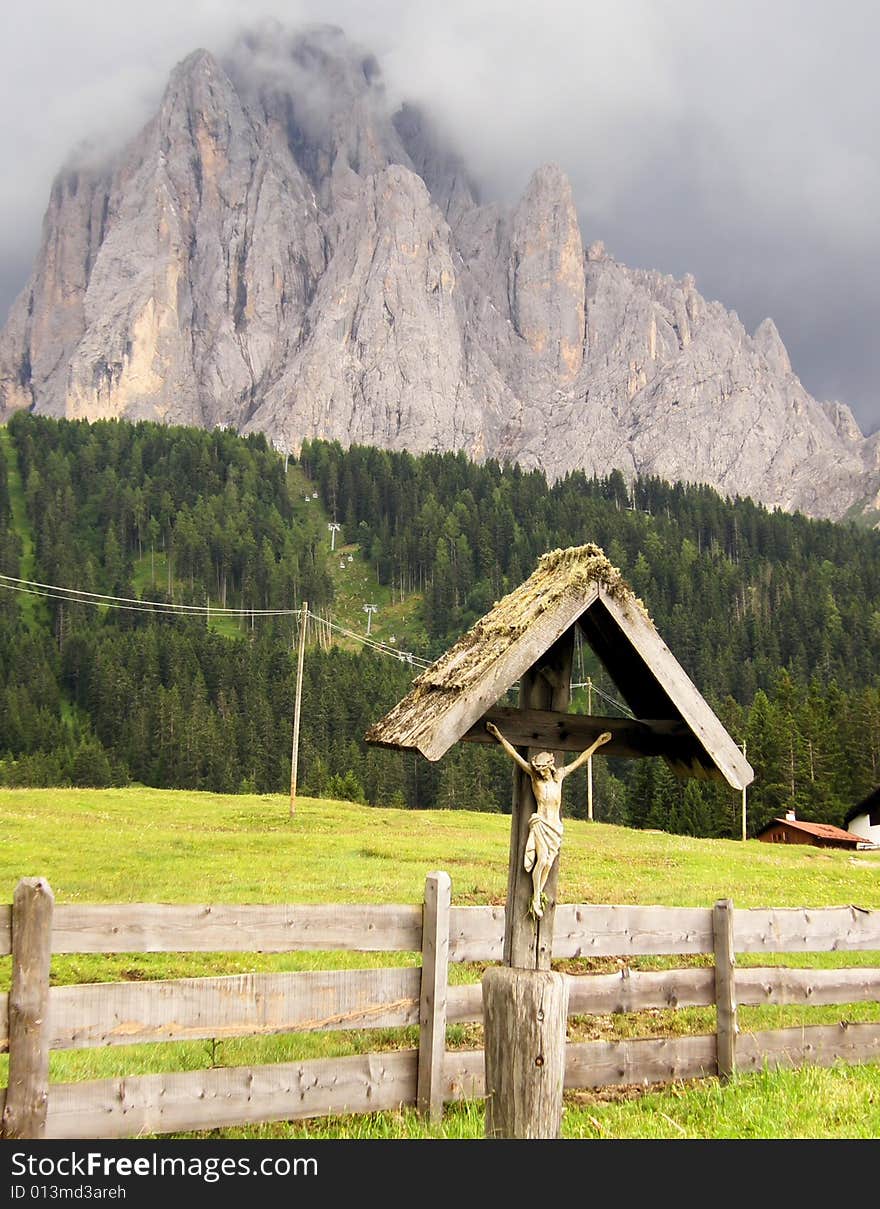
{"points": [[545, 824], [528, 637], [537, 795], [525, 1003]]}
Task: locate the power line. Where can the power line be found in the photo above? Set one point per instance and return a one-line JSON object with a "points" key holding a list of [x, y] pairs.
{"points": [[624, 709], [590, 683], [81, 596], [145, 607], [611, 700], [31, 587]]}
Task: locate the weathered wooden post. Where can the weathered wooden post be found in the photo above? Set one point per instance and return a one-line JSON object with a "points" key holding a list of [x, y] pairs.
{"points": [[297, 702], [27, 1095], [432, 1000], [727, 1027], [524, 1014]]}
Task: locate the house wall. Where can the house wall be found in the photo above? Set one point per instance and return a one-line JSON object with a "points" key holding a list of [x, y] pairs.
{"points": [[780, 834], [861, 825]]}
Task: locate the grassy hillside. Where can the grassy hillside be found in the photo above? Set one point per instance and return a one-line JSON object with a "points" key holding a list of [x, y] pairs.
{"points": [[153, 845]]}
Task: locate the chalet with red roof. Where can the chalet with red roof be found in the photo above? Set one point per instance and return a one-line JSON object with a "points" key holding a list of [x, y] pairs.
{"points": [[791, 830]]}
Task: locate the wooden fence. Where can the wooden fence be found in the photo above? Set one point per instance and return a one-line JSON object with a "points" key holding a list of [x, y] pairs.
{"points": [[42, 1018]]}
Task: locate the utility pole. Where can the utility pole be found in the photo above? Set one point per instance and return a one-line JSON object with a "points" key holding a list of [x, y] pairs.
{"points": [[744, 802], [590, 761], [334, 529], [370, 610], [294, 755]]}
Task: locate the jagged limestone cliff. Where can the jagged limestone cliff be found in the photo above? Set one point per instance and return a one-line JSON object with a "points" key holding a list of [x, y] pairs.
{"points": [[277, 251]]}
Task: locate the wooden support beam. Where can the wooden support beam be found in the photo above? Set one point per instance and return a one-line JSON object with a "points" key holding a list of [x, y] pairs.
{"points": [[297, 702], [27, 1095], [558, 731], [432, 1008], [725, 987]]}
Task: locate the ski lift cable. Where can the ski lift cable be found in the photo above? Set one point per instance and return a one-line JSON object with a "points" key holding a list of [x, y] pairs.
{"points": [[380, 647]]}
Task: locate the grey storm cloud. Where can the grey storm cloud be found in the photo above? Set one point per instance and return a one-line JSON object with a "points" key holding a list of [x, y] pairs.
{"points": [[735, 139]]}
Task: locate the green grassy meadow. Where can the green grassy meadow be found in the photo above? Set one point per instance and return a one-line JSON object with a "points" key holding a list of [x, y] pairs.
{"points": [[148, 845], [154, 845]]}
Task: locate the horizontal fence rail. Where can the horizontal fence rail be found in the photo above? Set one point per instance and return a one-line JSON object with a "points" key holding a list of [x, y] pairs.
{"points": [[237, 1005], [475, 933], [639, 991], [265, 1004], [165, 928], [229, 1096]]}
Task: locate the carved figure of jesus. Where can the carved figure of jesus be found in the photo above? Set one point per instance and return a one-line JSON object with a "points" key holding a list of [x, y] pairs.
{"points": [[545, 825]]}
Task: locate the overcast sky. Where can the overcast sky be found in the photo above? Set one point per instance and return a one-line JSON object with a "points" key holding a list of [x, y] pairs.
{"points": [[735, 139]]}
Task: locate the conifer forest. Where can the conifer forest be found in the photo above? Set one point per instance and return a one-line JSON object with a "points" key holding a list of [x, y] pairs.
{"points": [[775, 617]]}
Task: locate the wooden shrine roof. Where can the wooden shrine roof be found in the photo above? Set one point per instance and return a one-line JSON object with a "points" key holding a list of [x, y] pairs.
{"points": [[575, 586]]}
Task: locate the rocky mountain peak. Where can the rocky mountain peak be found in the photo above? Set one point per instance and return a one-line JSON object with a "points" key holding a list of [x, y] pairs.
{"points": [[198, 63], [546, 282], [199, 88], [279, 251], [325, 92], [845, 423], [769, 343]]}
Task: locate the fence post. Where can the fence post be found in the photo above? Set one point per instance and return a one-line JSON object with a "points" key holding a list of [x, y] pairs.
{"points": [[432, 1005], [725, 987], [27, 1095]]}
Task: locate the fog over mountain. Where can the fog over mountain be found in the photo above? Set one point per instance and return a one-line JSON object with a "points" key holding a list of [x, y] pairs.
{"points": [[736, 141], [287, 245]]}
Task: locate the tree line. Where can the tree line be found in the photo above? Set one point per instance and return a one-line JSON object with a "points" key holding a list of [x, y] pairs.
{"points": [[775, 617]]}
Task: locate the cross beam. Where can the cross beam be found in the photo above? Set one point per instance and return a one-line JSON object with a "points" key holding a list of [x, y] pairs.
{"points": [[557, 731]]}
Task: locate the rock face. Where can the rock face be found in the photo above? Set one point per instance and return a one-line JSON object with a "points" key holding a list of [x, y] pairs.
{"points": [[277, 251]]}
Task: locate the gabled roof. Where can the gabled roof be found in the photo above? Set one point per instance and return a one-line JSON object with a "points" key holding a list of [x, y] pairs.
{"points": [[822, 831], [869, 806], [573, 586]]}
